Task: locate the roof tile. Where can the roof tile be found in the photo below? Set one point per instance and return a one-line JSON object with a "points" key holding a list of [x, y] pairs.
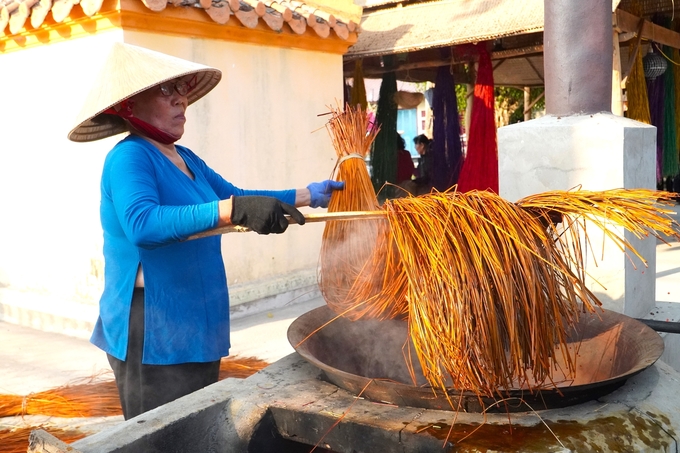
{"points": [[273, 13]]}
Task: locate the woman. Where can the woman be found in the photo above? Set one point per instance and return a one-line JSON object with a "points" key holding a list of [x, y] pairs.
{"points": [[164, 312]]}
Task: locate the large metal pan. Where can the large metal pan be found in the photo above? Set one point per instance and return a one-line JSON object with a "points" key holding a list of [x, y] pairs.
{"points": [[609, 347]]}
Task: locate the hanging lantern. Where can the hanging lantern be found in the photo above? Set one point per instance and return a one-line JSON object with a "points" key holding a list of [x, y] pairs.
{"points": [[653, 64]]}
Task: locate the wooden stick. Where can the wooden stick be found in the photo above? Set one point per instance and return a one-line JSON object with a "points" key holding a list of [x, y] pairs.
{"points": [[309, 218]]}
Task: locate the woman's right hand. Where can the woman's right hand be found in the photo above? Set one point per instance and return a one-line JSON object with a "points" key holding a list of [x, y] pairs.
{"points": [[263, 215]]}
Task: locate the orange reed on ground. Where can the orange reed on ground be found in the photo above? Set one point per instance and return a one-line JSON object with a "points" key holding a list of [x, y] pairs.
{"points": [[16, 440], [97, 396]]}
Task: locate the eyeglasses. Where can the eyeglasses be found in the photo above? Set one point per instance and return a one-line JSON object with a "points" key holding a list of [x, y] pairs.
{"points": [[181, 86]]}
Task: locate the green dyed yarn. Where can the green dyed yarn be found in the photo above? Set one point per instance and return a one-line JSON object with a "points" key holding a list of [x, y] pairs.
{"points": [[384, 151], [358, 93], [675, 68], [670, 145]]}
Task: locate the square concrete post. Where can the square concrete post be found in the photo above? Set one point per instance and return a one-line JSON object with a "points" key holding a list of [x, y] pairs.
{"points": [[596, 151]]}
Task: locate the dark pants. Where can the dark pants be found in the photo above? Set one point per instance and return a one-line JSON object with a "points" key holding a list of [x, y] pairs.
{"points": [[145, 387]]}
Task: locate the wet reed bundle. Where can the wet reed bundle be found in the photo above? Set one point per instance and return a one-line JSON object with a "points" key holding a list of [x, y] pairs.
{"points": [[347, 252], [488, 298], [494, 287], [97, 396], [16, 440], [491, 289]]}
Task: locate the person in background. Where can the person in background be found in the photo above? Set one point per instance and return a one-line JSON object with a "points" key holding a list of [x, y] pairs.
{"points": [[405, 168], [425, 165], [164, 312]]}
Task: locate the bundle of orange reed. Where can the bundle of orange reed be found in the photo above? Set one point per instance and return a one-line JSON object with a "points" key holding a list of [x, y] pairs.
{"points": [[240, 367], [491, 289], [97, 396], [89, 397], [16, 440], [347, 252], [494, 286]]}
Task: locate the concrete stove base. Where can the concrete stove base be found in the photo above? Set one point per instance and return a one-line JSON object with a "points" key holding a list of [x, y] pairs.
{"points": [[287, 407]]}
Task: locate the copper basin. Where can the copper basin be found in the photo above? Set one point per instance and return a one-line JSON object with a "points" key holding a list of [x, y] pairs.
{"points": [[609, 347]]}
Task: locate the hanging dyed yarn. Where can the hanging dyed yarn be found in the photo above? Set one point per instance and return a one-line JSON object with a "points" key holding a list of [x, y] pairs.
{"points": [[358, 92], [384, 151], [676, 79], [637, 97], [670, 150], [480, 169], [446, 146], [655, 90], [636, 91]]}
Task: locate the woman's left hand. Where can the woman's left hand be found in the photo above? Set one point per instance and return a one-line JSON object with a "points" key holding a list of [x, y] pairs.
{"points": [[320, 192]]}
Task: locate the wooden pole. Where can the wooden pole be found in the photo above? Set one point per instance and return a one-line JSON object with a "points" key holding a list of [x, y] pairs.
{"points": [[632, 53], [617, 95], [470, 91], [527, 101], [309, 218]]}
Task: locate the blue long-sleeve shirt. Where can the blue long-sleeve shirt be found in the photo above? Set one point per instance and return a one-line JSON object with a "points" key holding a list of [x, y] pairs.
{"points": [[149, 207]]}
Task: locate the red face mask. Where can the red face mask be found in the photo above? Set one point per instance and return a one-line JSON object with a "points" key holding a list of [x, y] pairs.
{"points": [[142, 126]]}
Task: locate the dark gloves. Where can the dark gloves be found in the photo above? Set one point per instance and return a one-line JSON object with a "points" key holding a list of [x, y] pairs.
{"points": [[320, 192], [263, 215]]}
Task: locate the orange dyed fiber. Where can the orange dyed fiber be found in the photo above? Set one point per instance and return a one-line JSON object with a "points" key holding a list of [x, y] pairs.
{"points": [[16, 440], [97, 396], [494, 287], [240, 367], [491, 287], [90, 397], [348, 261]]}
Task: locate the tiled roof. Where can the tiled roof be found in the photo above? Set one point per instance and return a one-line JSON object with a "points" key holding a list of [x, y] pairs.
{"points": [[297, 15]]}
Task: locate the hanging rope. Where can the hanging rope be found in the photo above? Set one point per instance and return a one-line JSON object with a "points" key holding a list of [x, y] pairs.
{"points": [[447, 153], [480, 169]]}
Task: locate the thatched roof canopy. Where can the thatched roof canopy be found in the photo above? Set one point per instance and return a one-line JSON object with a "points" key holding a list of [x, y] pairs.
{"points": [[444, 23], [424, 35]]}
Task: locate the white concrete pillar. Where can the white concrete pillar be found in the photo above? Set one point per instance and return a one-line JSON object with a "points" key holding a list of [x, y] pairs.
{"points": [[599, 151]]}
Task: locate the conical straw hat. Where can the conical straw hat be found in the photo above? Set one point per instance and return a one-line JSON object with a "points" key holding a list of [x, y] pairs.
{"points": [[130, 70]]}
